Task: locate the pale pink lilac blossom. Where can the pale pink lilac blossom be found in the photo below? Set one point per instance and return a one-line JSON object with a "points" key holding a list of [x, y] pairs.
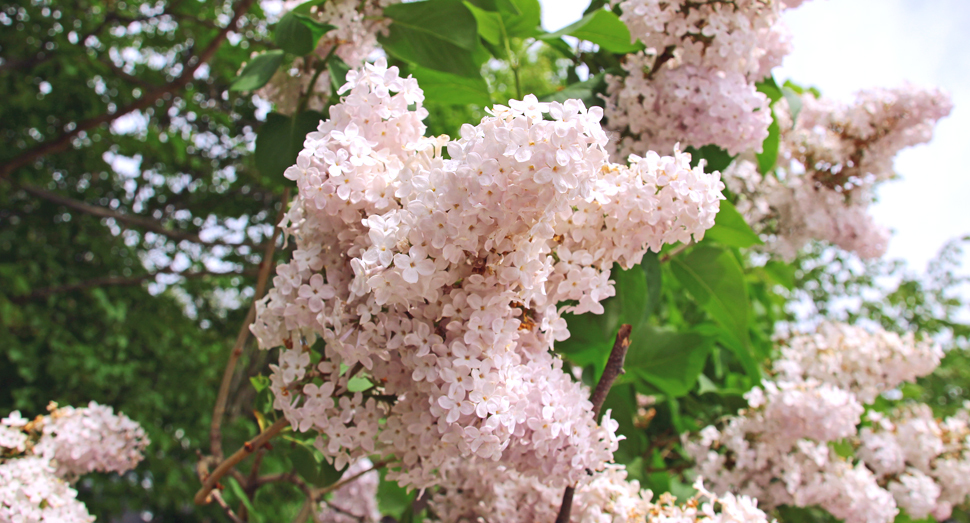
{"points": [[443, 278], [358, 24], [831, 158], [778, 450], [40, 457], [695, 82], [925, 461]]}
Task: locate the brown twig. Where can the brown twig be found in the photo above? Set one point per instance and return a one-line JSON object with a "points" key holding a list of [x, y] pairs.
{"points": [[137, 221], [191, 65], [116, 281], [217, 496], [675, 251], [202, 496], [614, 367], [215, 430], [343, 481]]}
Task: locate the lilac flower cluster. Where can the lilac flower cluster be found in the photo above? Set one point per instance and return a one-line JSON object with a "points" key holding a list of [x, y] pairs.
{"points": [[923, 461], [357, 25], [695, 83], [39, 458], [355, 501], [492, 491], [821, 382], [439, 279], [831, 158], [691, 104]]}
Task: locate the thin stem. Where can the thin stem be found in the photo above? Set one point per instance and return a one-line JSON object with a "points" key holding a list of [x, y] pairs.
{"points": [[334, 486], [107, 281], [190, 66], [217, 496], [203, 497], [215, 430], [138, 221], [675, 251], [614, 367]]}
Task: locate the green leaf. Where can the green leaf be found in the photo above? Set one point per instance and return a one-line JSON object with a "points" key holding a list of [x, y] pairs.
{"points": [[592, 335], [653, 275], [562, 46], [594, 5], [668, 360], [490, 25], [782, 273], [520, 17], [715, 280], [601, 27], [770, 89], [622, 403], [443, 20], [730, 228], [308, 464], [585, 91], [338, 72], [717, 159], [392, 499], [769, 148], [298, 34], [259, 382], [794, 102], [238, 491], [437, 34], [279, 141], [258, 71], [426, 51], [451, 89]]}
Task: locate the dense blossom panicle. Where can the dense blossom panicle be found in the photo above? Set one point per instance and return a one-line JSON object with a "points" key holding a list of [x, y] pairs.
{"points": [[744, 36], [695, 83], [856, 360], [485, 490], [691, 105], [830, 159], [91, 439], [439, 278], [924, 461], [39, 457], [821, 382], [355, 501], [30, 492], [357, 25]]}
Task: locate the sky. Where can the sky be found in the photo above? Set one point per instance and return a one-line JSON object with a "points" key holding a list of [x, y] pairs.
{"points": [[843, 46]]}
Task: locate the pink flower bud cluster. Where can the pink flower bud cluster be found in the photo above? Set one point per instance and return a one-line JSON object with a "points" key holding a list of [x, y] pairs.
{"points": [[90, 439], [484, 490], [358, 24], [923, 461], [830, 160], [777, 450], [439, 279], [30, 492], [745, 36], [38, 459], [356, 500], [693, 105], [695, 83], [856, 360]]}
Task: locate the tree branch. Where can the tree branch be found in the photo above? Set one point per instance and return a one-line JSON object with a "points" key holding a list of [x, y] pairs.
{"points": [[115, 281], [215, 430], [135, 220], [191, 65], [614, 367], [675, 251], [203, 497]]}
